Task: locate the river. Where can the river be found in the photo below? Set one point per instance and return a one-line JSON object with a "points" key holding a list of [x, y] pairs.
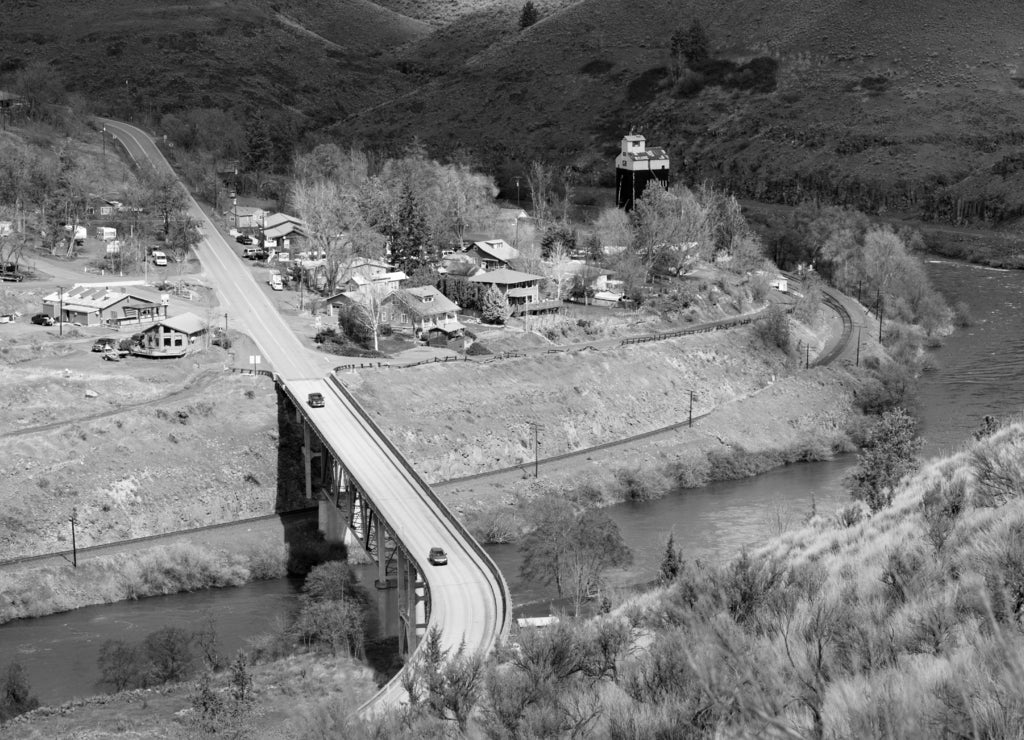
{"points": [[979, 372]]}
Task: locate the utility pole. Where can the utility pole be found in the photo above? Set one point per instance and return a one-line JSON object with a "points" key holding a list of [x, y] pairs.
{"points": [[225, 323], [691, 408], [103, 137], [518, 206], [858, 347], [880, 309], [74, 546], [807, 361], [60, 312], [536, 447]]}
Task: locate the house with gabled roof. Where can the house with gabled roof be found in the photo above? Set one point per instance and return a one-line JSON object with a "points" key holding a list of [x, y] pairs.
{"points": [[521, 290], [174, 336], [424, 310], [281, 230], [492, 254], [246, 217]]}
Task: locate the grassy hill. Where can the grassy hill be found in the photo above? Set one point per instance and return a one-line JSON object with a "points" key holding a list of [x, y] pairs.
{"points": [[909, 107], [912, 107], [151, 57]]}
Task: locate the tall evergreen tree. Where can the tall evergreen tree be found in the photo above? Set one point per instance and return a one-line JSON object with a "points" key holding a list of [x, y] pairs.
{"points": [[410, 247], [258, 147], [529, 16]]}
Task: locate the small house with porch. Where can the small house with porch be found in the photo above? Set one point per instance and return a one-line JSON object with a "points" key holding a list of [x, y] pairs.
{"points": [[521, 290], [424, 310], [171, 337]]}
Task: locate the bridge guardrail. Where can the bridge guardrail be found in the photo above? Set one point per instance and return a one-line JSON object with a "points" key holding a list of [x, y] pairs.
{"points": [[490, 564]]}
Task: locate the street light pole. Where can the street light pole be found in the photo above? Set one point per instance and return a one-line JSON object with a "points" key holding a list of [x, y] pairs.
{"points": [[60, 311], [858, 347], [225, 323], [691, 409], [103, 137], [518, 206]]}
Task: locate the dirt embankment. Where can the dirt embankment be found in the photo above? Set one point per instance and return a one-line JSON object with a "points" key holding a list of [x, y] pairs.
{"points": [[457, 420], [205, 455]]}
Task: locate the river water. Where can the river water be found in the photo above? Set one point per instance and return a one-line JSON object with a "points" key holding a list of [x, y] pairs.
{"points": [[979, 372]]}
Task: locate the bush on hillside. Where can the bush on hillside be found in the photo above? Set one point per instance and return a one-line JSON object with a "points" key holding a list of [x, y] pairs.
{"points": [[773, 328]]}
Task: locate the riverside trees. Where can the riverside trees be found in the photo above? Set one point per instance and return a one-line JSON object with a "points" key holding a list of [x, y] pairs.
{"points": [[571, 550]]}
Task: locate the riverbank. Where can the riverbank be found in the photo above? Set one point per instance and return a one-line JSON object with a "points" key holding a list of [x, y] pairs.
{"points": [[291, 697]]}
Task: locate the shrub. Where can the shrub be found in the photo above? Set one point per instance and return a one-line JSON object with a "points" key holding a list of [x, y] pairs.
{"points": [[121, 665], [15, 693], [773, 328], [941, 506], [638, 484], [962, 315], [477, 348], [889, 453], [168, 655], [998, 465]]}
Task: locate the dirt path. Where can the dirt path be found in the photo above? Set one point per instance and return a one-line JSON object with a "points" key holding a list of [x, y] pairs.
{"points": [[192, 387]]}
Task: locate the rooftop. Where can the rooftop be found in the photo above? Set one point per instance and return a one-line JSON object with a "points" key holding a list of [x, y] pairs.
{"points": [[505, 276]]}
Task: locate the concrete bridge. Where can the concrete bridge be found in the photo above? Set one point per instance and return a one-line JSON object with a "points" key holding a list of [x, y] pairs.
{"points": [[365, 485]]}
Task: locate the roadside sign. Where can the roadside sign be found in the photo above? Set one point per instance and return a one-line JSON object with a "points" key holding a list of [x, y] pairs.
{"points": [[254, 359]]}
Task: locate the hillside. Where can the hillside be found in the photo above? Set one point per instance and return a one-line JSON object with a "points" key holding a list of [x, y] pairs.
{"points": [[147, 58], [912, 106]]}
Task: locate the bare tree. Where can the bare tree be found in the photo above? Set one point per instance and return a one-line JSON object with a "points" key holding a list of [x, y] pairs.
{"points": [[540, 181]]}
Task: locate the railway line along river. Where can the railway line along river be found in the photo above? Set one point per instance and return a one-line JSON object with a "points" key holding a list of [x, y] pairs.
{"points": [[980, 371]]}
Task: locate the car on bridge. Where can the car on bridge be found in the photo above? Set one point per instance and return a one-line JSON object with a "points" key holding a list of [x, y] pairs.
{"points": [[437, 556], [316, 400]]}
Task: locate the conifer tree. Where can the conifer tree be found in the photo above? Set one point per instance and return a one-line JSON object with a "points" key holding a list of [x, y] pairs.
{"points": [[493, 306], [529, 16], [671, 562]]}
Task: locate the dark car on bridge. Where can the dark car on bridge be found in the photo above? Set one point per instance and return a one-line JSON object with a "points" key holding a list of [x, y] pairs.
{"points": [[316, 400], [437, 556]]}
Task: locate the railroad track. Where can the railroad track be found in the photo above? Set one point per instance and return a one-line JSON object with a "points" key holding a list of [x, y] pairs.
{"points": [[833, 354]]}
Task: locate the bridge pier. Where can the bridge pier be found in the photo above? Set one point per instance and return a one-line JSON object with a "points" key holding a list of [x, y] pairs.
{"points": [[347, 515]]}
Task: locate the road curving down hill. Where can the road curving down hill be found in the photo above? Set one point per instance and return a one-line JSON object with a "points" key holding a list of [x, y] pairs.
{"points": [[470, 601]]}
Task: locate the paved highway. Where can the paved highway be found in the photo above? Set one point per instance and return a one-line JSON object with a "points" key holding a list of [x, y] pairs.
{"points": [[469, 598]]}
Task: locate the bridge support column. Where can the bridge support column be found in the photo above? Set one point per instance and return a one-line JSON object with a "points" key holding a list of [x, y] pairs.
{"points": [[382, 560], [331, 521], [307, 460], [403, 602], [412, 608]]}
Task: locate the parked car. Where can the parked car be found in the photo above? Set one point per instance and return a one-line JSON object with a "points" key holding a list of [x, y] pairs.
{"points": [[159, 259], [104, 343], [437, 556], [11, 275], [245, 239], [42, 319], [275, 282], [316, 400]]}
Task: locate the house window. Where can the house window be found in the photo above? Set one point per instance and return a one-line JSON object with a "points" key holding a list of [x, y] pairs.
{"points": [[428, 298]]}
